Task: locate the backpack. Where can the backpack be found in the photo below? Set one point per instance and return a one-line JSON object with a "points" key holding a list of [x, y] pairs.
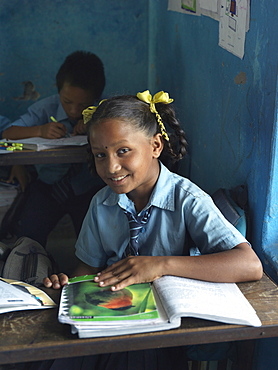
{"points": [[26, 261], [233, 205], [10, 219]]}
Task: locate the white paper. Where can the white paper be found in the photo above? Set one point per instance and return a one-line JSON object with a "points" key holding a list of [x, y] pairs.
{"points": [[40, 143], [11, 296], [175, 5], [210, 5], [18, 296], [233, 25], [210, 8], [222, 302]]}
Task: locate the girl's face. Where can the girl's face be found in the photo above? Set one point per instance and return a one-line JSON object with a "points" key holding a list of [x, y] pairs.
{"points": [[125, 158]]}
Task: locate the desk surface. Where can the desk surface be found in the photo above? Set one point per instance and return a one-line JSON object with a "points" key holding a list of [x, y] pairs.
{"points": [[37, 335], [62, 155]]}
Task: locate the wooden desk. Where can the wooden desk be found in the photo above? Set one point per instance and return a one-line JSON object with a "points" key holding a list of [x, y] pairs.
{"points": [[61, 155], [37, 335]]}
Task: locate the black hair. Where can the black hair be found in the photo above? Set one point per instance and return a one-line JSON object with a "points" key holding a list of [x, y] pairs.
{"points": [[132, 110], [82, 69]]}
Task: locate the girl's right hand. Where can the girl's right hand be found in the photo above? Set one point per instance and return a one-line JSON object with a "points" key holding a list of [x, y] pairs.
{"points": [[56, 281]]}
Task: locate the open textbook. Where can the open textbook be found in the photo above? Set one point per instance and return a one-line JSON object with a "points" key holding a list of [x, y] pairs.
{"points": [[93, 311], [18, 295], [39, 143]]}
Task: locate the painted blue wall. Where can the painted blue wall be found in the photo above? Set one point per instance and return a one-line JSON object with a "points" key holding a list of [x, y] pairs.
{"points": [[36, 36], [229, 109], [227, 105]]}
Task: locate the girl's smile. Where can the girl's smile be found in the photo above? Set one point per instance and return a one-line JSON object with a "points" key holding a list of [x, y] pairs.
{"points": [[125, 158]]}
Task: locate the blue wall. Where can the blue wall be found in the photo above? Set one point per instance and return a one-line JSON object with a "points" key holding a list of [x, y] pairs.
{"points": [[36, 36], [231, 126], [230, 121]]}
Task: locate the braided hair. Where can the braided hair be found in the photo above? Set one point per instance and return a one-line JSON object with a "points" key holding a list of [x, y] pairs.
{"points": [[136, 112]]}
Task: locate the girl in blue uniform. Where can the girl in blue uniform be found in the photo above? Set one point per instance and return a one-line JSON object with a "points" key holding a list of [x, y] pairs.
{"points": [[129, 144]]}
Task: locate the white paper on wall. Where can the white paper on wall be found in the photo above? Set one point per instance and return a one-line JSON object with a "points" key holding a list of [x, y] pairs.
{"points": [[233, 17], [210, 8], [176, 6], [233, 25]]}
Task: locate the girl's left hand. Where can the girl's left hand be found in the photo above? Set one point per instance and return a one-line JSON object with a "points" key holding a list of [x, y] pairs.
{"points": [[131, 270]]}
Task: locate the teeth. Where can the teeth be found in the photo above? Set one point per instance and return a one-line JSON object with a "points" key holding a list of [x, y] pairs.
{"points": [[117, 178]]}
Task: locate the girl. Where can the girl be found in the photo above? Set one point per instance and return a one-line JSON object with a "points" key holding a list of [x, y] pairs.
{"points": [[127, 136]]}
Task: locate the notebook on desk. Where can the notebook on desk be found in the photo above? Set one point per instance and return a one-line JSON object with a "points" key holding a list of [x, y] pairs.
{"points": [[39, 143]]}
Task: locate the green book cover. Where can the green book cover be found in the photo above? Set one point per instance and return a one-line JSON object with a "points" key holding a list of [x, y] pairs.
{"points": [[86, 301]]}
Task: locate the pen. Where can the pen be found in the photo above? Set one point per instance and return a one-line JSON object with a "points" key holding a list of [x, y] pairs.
{"points": [[53, 119], [11, 146]]}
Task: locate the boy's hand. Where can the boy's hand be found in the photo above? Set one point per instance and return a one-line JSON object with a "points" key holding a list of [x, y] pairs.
{"points": [[21, 174], [53, 130], [80, 128], [131, 270], [56, 281]]}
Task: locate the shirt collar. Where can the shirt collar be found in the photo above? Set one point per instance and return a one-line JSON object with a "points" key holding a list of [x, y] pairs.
{"points": [[163, 195]]}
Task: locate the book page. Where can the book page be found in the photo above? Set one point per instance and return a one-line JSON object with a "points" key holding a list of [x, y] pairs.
{"points": [[17, 296], [212, 301], [13, 296]]}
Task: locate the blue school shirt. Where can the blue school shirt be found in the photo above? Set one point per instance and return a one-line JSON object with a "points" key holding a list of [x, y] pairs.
{"points": [[39, 114], [4, 124], [179, 208]]}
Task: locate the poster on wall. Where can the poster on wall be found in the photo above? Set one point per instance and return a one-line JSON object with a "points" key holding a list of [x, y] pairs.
{"points": [[209, 8], [233, 25], [233, 17], [185, 6]]}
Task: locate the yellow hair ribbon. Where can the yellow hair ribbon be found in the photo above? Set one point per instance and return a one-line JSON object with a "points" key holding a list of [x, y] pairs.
{"points": [[88, 112], [160, 97]]}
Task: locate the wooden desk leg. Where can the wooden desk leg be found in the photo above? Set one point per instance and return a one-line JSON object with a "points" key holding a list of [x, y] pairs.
{"points": [[245, 352]]}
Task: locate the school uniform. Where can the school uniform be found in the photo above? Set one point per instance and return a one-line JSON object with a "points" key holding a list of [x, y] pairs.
{"points": [[4, 124], [180, 208], [59, 188], [181, 211]]}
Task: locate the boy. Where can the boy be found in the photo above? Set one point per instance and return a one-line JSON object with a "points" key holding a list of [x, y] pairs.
{"points": [[61, 188]]}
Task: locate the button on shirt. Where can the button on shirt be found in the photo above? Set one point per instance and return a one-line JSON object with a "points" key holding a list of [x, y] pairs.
{"points": [[179, 208], [39, 114]]}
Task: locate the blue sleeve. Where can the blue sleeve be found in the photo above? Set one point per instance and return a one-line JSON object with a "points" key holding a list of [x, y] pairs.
{"points": [[39, 113], [88, 247], [4, 124], [210, 231], [35, 116]]}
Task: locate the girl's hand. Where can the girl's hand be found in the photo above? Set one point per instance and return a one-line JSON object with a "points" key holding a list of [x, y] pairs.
{"points": [[53, 130], [131, 270], [80, 128], [56, 281]]}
